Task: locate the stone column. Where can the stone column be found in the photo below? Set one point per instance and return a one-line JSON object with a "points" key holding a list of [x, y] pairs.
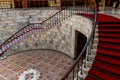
{"points": [[58, 4], [13, 4], [24, 4]]}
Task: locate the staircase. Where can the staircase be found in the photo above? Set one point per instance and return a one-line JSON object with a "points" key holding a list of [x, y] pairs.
{"points": [[45, 25], [6, 48], [106, 65]]}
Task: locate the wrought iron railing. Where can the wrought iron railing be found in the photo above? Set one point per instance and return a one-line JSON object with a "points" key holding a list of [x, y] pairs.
{"points": [[80, 62], [50, 22], [31, 28]]}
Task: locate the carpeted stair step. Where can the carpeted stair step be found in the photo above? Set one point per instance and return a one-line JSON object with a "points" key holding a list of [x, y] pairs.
{"points": [[108, 35], [109, 46], [86, 15], [107, 18], [108, 59], [110, 40], [109, 30], [90, 77], [108, 52], [102, 18], [106, 65], [109, 22], [115, 70], [101, 74], [109, 26]]}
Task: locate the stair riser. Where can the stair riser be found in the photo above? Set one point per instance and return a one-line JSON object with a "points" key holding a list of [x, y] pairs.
{"points": [[96, 35], [77, 79], [94, 46], [94, 51], [88, 64], [104, 23], [107, 36], [82, 76], [85, 69], [96, 41], [109, 31], [101, 41], [91, 58]]}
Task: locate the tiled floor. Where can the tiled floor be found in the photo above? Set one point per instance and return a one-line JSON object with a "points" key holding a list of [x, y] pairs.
{"points": [[51, 64]]}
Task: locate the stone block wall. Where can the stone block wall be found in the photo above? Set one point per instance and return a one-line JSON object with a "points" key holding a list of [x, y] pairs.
{"points": [[12, 21], [60, 37]]}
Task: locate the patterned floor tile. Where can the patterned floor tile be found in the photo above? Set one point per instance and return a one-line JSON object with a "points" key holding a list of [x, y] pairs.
{"points": [[51, 65]]}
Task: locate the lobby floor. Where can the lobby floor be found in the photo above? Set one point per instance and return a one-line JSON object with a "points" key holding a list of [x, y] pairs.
{"points": [[51, 65]]}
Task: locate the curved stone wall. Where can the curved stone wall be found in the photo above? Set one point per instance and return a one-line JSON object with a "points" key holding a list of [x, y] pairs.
{"points": [[60, 37], [12, 21]]}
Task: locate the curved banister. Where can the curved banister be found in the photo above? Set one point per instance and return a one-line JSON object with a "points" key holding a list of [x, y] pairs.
{"points": [[22, 32], [34, 27], [65, 77]]}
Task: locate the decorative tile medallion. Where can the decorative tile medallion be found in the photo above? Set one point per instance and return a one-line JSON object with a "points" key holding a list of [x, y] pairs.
{"points": [[30, 74]]}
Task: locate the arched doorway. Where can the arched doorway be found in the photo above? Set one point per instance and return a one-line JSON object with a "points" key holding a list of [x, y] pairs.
{"points": [[80, 41]]}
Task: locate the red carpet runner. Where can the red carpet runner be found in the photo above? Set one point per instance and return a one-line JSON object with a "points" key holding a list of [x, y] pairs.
{"points": [[106, 65]]}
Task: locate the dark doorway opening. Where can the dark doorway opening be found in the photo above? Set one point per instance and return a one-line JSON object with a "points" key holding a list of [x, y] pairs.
{"points": [[18, 3], [80, 41]]}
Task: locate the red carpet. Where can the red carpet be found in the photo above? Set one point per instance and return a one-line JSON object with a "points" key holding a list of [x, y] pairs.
{"points": [[107, 18], [106, 65], [102, 17]]}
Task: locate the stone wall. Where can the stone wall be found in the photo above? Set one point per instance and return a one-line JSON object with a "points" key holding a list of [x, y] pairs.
{"points": [[12, 21], [60, 37]]}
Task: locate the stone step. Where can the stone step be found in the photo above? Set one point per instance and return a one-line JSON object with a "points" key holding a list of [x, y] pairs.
{"points": [[81, 76], [88, 63], [97, 27], [85, 68], [77, 78], [91, 56], [93, 51], [96, 30], [95, 46], [96, 35], [95, 40]]}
